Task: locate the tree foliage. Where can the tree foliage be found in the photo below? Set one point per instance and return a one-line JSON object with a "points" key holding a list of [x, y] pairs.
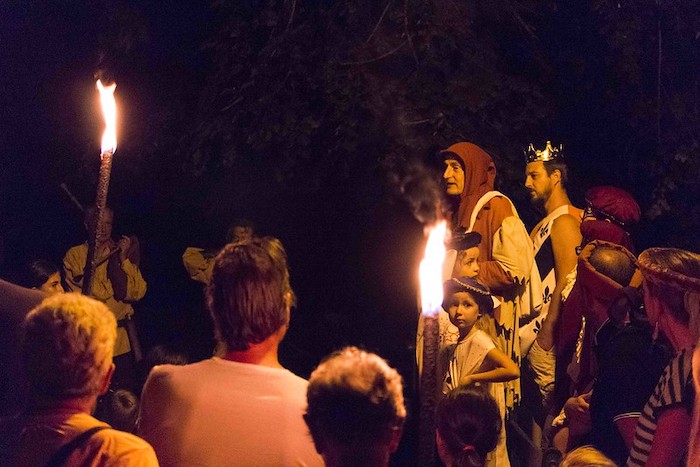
{"points": [[343, 84], [295, 90], [653, 58]]}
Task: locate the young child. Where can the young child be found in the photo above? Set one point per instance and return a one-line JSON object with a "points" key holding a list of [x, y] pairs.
{"points": [[474, 359], [467, 262], [467, 427], [466, 265], [465, 247]]}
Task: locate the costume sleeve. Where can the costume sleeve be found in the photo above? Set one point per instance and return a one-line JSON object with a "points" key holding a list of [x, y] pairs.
{"points": [[74, 269], [494, 276], [197, 265], [512, 248], [510, 257], [135, 283], [677, 381]]}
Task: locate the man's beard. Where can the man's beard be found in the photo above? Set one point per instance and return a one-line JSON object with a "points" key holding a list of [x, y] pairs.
{"points": [[539, 199]]}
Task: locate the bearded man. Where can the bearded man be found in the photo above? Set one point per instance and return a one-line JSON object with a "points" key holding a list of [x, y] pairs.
{"points": [[555, 239]]}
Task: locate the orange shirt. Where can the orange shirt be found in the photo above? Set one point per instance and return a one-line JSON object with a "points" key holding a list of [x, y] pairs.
{"points": [[31, 440]]}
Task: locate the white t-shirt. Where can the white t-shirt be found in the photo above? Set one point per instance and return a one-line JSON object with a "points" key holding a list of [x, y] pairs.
{"points": [[218, 412], [464, 358]]}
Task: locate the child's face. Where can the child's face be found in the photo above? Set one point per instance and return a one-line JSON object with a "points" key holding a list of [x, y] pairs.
{"points": [[467, 264], [463, 311]]}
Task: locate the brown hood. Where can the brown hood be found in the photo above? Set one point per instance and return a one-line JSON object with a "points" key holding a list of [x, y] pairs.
{"points": [[479, 177]]}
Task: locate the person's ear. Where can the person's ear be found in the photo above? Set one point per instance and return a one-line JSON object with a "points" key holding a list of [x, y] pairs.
{"points": [[396, 434], [441, 448], [556, 175], [107, 380]]}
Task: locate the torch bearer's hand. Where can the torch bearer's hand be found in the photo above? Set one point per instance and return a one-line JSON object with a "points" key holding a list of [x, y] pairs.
{"points": [[124, 244]]}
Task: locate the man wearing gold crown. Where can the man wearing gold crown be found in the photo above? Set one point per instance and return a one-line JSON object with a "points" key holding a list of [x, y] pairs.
{"points": [[555, 239]]}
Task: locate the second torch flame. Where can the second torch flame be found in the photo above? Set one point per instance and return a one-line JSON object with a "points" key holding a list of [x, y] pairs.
{"points": [[109, 109], [430, 270]]}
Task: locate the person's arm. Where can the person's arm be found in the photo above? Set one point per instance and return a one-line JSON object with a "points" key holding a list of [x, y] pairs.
{"points": [[494, 276], [127, 281], [198, 264], [694, 442], [565, 236], [502, 369], [74, 270], [577, 410], [671, 437], [492, 272], [626, 426]]}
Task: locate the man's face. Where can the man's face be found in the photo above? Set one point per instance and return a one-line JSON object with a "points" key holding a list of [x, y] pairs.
{"points": [[239, 233], [454, 177], [538, 182]]}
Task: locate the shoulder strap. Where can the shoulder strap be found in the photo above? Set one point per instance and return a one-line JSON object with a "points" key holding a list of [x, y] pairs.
{"points": [[488, 196], [59, 457]]}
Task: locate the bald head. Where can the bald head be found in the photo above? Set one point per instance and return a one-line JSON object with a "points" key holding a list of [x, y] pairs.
{"points": [[613, 263]]}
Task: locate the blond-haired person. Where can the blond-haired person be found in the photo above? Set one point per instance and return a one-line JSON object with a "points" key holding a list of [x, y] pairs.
{"points": [[586, 456], [67, 352]]}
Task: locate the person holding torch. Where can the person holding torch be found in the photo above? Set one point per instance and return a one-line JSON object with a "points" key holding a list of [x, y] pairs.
{"points": [[117, 283]]}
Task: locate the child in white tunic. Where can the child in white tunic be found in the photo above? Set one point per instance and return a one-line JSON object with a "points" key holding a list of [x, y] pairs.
{"points": [[474, 359]]}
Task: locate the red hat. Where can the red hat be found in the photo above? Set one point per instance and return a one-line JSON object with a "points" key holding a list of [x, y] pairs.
{"points": [[613, 204]]}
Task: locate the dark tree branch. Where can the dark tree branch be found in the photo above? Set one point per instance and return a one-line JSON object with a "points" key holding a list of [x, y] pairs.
{"points": [[291, 15], [408, 35], [376, 26], [376, 59]]}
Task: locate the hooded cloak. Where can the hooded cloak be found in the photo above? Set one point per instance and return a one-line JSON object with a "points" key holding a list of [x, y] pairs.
{"points": [[479, 178]]}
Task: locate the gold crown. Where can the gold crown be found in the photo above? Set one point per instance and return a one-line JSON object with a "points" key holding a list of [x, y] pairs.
{"points": [[549, 153]]}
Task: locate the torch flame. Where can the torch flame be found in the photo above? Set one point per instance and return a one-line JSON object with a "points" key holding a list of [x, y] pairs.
{"points": [[430, 271], [109, 109]]}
